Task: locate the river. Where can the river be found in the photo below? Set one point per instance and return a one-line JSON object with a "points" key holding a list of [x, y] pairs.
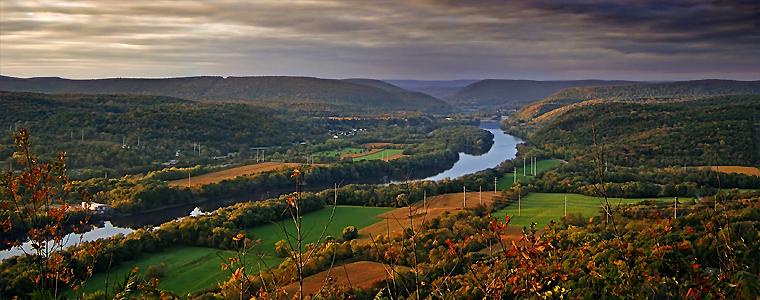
{"points": [[503, 148]]}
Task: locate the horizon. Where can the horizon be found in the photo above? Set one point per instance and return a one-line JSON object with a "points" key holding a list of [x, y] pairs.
{"points": [[421, 39], [389, 79]]}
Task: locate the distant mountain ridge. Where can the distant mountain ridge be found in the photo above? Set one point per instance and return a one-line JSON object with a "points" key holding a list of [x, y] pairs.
{"points": [[508, 93], [353, 95], [662, 91]]}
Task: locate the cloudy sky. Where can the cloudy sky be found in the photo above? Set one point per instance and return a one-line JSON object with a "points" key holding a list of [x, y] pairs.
{"points": [[421, 39]]}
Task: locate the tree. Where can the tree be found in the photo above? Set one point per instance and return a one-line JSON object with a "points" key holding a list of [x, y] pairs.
{"points": [[350, 233]]}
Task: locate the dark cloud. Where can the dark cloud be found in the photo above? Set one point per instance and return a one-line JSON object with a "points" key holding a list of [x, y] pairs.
{"points": [[426, 39]]}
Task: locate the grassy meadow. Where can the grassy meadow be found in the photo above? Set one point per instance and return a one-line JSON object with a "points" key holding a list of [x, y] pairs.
{"points": [[506, 182], [185, 269], [386, 153], [544, 207], [190, 269]]}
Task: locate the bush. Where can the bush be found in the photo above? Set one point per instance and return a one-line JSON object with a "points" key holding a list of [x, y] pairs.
{"points": [[281, 249], [350, 233]]}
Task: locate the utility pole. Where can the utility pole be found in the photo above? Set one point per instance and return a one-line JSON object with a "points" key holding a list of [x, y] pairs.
{"points": [[188, 177], [519, 203], [515, 179], [675, 207], [464, 196], [481, 195], [524, 166], [424, 199], [494, 186], [565, 205]]}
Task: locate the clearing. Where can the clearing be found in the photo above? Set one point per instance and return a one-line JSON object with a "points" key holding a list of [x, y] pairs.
{"points": [[232, 173], [360, 274], [397, 220], [752, 171], [544, 207], [384, 154], [506, 182]]}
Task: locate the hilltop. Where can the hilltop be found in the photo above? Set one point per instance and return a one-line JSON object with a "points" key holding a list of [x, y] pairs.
{"points": [[515, 93], [297, 93], [565, 99]]}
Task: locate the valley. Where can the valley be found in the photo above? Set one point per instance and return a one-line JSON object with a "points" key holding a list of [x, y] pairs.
{"points": [[357, 201]]}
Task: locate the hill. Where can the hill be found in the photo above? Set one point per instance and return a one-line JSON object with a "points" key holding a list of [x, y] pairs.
{"points": [[420, 100], [301, 93], [666, 91], [719, 130], [102, 131], [515, 93]]}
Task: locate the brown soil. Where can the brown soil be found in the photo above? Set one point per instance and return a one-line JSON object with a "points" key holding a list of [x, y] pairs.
{"points": [[397, 220], [360, 274], [232, 173], [752, 171]]}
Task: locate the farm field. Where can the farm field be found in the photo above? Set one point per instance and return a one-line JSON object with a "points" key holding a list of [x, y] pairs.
{"points": [[190, 269], [506, 182], [187, 269], [360, 274], [397, 220], [232, 173], [340, 153], [315, 222], [544, 207], [752, 171], [382, 145], [387, 154]]}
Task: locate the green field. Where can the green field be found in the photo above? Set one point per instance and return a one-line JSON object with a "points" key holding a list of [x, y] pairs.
{"points": [[379, 155], [338, 153], [187, 269], [313, 224], [544, 207], [542, 165], [190, 269]]}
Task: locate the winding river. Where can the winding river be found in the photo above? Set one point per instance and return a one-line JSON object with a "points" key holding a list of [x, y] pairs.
{"points": [[504, 148]]}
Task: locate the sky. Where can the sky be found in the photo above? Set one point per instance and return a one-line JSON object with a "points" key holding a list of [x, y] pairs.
{"points": [[419, 39]]}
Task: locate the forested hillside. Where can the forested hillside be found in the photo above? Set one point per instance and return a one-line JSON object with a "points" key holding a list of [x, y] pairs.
{"points": [[102, 131], [515, 93], [712, 131], [298, 93], [667, 91]]}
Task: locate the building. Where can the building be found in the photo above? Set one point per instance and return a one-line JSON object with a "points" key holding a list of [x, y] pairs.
{"points": [[97, 208]]}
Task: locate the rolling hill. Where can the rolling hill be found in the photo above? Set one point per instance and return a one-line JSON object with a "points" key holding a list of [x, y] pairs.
{"points": [[565, 99], [515, 93], [716, 130], [301, 93]]}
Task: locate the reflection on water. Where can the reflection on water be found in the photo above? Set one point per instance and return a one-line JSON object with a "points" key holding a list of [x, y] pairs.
{"points": [[71, 239], [99, 232], [504, 148]]}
